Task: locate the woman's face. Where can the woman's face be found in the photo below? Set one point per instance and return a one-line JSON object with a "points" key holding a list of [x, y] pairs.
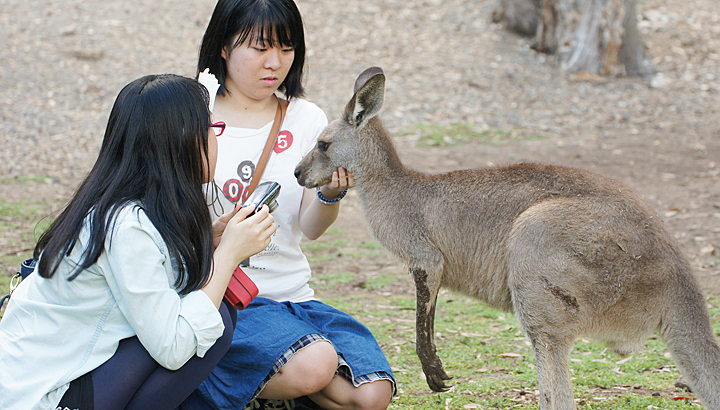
{"points": [[255, 69]]}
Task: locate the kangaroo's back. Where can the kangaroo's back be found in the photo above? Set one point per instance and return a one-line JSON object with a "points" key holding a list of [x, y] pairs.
{"points": [[600, 220]]}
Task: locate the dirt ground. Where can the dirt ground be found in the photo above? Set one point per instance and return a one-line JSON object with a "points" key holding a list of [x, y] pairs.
{"points": [[63, 63]]}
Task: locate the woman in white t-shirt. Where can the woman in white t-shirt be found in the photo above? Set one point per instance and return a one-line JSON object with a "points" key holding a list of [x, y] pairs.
{"points": [[287, 344]]}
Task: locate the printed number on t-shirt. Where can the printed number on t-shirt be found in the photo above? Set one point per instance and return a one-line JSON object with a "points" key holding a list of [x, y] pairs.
{"points": [[233, 189], [245, 171], [284, 141]]}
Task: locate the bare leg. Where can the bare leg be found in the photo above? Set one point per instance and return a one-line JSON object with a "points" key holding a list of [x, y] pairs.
{"points": [[311, 372], [341, 394]]}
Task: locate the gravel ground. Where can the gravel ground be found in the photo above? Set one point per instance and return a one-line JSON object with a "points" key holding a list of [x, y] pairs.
{"points": [[63, 63]]}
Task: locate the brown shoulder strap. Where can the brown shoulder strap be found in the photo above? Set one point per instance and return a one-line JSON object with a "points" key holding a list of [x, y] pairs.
{"points": [[269, 145]]}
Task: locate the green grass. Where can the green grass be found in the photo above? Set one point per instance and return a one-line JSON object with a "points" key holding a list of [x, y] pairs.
{"points": [[332, 246], [21, 224], [380, 281], [460, 133], [26, 178], [492, 363]]}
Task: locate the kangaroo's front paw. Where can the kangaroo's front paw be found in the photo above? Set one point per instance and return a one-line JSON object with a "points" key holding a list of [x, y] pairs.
{"points": [[436, 376]]}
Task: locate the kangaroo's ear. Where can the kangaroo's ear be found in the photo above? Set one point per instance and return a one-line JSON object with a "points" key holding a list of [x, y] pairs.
{"points": [[368, 98]]}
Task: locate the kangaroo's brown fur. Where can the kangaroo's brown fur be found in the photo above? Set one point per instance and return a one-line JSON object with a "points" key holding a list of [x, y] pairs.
{"points": [[569, 251]]}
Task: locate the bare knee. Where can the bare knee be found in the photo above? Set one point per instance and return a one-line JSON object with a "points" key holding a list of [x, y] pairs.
{"points": [[373, 396], [310, 370]]}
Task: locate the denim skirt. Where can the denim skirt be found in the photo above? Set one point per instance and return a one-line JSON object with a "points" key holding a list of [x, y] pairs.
{"points": [[268, 333]]}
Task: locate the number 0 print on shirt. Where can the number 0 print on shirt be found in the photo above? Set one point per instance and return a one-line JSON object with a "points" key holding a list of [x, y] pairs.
{"points": [[235, 189]]}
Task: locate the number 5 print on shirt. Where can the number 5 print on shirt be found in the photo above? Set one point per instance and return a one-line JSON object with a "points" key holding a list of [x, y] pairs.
{"points": [[284, 141]]}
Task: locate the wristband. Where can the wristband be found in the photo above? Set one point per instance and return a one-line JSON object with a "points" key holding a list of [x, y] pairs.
{"points": [[326, 201]]}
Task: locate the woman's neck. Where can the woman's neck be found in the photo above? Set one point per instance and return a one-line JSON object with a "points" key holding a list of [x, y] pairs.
{"points": [[243, 112]]}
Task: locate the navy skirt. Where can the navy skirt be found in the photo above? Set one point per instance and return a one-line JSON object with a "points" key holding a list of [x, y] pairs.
{"points": [[268, 333]]}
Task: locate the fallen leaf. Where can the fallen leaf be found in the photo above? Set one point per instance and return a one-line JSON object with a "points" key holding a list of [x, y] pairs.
{"points": [[589, 77], [510, 355], [625, 360], [708, 249], [472, 334]]}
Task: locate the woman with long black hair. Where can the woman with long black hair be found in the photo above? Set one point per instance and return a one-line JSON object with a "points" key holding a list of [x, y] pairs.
{"points": [[125, 307]]}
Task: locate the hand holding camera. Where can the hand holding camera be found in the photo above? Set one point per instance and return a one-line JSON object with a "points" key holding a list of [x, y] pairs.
{"points": [[265, 194], [241, 289]]}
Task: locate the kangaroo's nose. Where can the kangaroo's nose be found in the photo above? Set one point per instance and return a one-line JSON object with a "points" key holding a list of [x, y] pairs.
{"points": [[297, 172]]}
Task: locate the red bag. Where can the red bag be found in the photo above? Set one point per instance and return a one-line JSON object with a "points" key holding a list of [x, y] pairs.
{"points": [[241, 290]]}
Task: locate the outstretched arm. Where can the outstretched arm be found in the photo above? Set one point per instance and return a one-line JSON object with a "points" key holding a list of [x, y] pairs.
{"points": [[315, 216]]}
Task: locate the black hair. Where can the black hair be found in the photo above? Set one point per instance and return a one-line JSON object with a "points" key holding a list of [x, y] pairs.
{"points": [[273, 22], [155, 155]]}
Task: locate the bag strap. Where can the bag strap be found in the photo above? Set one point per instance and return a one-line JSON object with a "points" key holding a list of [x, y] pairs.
{"points": [[269, 145], [14, 282], [26, 268]]}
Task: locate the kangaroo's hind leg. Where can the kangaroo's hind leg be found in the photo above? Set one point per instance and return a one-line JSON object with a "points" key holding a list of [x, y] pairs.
{"points": [[546, 288], [551, 358], [548, 308], [550, 319]]}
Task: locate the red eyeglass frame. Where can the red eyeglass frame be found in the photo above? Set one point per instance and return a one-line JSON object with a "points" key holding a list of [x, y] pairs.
{"points": [[221, 125]]}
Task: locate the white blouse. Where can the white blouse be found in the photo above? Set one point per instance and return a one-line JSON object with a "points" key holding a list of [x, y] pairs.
{"points": [[55, 330]]}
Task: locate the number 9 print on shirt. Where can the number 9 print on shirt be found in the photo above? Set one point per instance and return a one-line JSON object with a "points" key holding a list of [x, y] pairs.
{"points": [[235, 189]]}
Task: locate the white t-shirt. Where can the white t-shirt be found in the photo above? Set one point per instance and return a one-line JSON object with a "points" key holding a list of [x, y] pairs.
{"points": [[281, 272]]}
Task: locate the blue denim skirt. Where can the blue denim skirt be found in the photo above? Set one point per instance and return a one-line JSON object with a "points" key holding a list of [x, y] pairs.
{"points": [[267, 335]]}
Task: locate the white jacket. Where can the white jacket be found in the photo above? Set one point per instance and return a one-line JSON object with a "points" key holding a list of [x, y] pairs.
{"points": [[55, 330]]}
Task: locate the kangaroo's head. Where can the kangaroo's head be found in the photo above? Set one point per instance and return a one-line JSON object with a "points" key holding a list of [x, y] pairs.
{"points": [[339, 143]]}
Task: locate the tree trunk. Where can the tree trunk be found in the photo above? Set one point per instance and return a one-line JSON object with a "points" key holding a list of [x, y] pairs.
{"points": [[598, 36]]}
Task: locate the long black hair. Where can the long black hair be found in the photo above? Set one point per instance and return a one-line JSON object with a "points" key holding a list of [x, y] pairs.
{"points": [[274, 22], [154, 154]]}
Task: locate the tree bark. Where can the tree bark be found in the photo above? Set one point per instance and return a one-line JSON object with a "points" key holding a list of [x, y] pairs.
{"points": [[598, 36]]}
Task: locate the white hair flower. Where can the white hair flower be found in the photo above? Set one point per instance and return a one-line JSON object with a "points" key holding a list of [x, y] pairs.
{"points": [[211, 83]]}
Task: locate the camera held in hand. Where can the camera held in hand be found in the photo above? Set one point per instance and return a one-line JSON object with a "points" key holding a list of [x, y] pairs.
{"points": [[241, 289], [265, 194]]}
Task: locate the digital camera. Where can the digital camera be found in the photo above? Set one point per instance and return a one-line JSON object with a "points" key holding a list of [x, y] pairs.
{"points": [[265, 194]]}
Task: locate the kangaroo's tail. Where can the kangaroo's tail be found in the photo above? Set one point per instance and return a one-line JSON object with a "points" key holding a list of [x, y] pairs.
{"points": [[686, 330]]}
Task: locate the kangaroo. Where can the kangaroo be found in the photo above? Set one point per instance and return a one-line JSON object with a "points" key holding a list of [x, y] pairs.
{"points": [[569, 251]]}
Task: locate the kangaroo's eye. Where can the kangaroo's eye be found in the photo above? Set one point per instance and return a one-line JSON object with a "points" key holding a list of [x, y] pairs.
{"points": [[323, 146]]}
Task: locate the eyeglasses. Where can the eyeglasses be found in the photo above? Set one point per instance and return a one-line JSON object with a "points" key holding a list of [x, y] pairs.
{"points": [[219, 128]]}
